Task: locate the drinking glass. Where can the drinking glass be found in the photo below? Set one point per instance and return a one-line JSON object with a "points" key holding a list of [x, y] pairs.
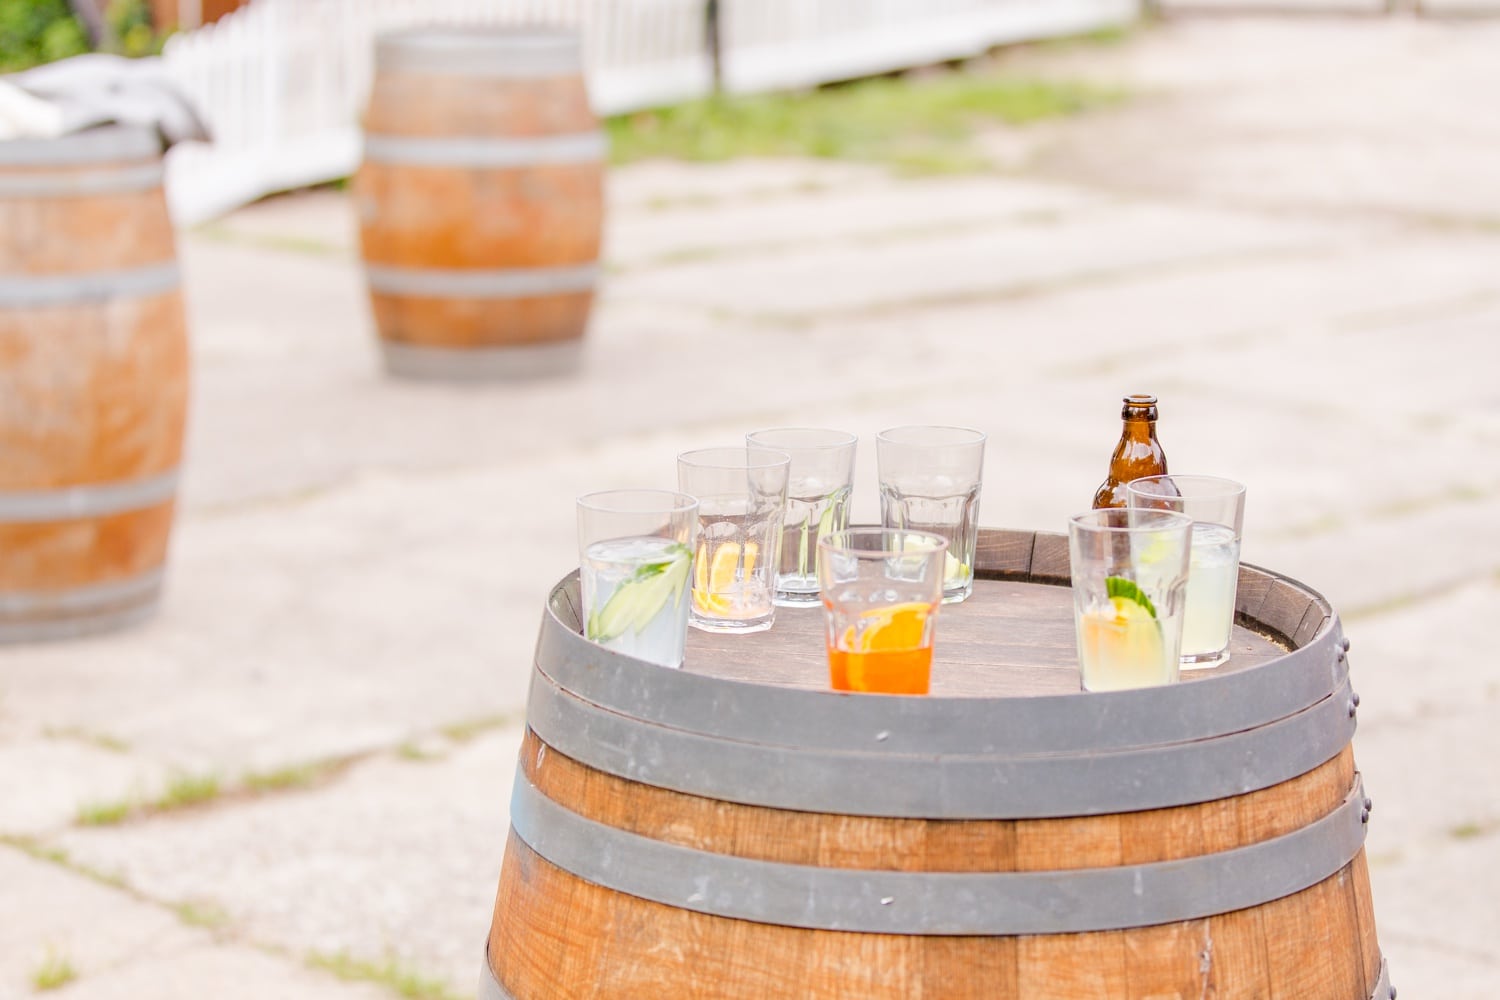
{"points": [[1129, 568], [1217, 507], [817, 502], [741, 493], [929, 481], [635, 552], [881, 591]]}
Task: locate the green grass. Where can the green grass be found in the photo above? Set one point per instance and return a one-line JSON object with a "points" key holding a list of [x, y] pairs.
{"points": [[56, 970], [413, 751], [104, 813], [103, 741], [463, 732], [391, 973], [1467, 831], [922, 125], [188, 790], [298, 776], [206, 915]]}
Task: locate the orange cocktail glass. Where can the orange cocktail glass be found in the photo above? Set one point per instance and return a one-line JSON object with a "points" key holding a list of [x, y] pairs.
{"points": [[881, 588]]}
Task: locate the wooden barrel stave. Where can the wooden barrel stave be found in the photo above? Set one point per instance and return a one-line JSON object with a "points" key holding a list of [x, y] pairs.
{"points": [[93, 382], [561, 931], [480, 199]]}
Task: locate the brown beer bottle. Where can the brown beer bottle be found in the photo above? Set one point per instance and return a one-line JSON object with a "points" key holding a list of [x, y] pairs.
{"points": [[1138, 453]]}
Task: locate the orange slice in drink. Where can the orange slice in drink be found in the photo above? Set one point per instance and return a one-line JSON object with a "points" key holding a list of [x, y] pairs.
{"points": [[885, 651]]}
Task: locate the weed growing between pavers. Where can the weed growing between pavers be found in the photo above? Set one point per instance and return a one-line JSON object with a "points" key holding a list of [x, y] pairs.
{"points": [[391, 973], [206, 915], [463, 732], [188, 790], [919, 125], [103, 741], [297, 776], [56, 970], [104, 813]]}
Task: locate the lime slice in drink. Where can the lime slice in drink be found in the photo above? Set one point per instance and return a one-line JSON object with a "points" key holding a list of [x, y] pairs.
{"points": [[641, 598], [1124, 592]]}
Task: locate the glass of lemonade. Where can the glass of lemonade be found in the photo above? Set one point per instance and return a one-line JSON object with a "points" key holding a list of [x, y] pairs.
{"points": [[1217, 507], [741, 495], [1129, 569], [636, 554], [817, 502], [881, 589], [929, 481]]}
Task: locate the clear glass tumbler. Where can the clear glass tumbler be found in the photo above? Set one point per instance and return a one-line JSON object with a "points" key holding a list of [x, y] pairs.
{"points": [[1129, 568], [817, 502], [881, 589], [741, 495], [929, 481], [1217, 507], [635, 551]]}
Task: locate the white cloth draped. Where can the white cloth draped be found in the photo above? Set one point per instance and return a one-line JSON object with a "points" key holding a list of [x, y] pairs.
{"points": [[79, 93]]}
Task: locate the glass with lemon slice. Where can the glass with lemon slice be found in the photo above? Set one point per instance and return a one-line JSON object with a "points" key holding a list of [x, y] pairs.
{"points": [[1129, 569], [881, 590], [741, 493], [635, 558]]}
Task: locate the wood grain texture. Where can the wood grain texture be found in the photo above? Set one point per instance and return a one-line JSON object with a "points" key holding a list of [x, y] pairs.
{"points": [[458, 218], [464, 323], [92, 392], [553, 931], [81, 235]]}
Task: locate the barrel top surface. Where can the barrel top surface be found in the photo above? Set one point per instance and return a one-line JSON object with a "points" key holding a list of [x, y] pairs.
{"points": [[520, 52], [105, 144], [1006, 706], [1009, 639]]}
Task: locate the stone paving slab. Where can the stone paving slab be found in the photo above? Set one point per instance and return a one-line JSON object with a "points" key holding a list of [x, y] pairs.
{"points": [[1113, 239], [1304, 113], [49, 912], [221, 972], [1436, 903], [45, 781], [798, 220], [398, 858]]}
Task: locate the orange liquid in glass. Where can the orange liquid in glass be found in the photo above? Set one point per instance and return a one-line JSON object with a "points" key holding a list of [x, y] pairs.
{"points": [[893, 671]]}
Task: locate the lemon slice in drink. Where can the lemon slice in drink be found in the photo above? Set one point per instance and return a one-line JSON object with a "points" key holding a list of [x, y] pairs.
{"points": [[641, 598], [1125, 632]]}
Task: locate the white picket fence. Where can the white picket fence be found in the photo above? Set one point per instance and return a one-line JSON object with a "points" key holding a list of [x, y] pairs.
{"points": [[282, 82]]}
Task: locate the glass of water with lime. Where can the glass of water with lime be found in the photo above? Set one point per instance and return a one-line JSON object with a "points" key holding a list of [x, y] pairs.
{"points": [[636, 557]]}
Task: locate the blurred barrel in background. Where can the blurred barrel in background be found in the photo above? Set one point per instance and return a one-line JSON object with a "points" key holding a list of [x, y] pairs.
{"points": [[480, 202], [93, 382]]}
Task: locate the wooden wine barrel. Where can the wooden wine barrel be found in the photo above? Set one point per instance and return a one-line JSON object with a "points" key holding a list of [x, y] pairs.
{"points": [[734, 829], [93, 382], [480, 202]]}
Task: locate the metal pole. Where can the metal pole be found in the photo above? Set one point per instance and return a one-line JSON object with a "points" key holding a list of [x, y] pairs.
{"points": [[712, 38], [94, 25]]}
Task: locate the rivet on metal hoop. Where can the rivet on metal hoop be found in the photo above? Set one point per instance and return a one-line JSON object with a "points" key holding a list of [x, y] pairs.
{"points": [[1352, 707], [1354, 696], [1369, 804], [1345, 643], [1364, 816], [1340, 656]]}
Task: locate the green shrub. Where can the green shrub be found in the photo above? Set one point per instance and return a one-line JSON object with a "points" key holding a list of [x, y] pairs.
{"points": [[40, 31]]}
